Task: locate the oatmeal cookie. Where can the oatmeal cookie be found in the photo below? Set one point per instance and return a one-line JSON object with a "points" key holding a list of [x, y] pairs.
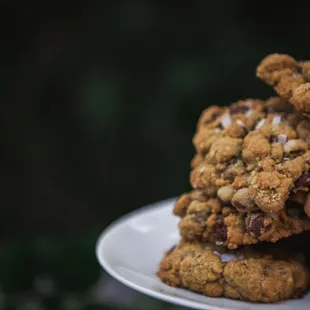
{"points": [[253, 154], [289, 78], [266, 276], [210, 219]]}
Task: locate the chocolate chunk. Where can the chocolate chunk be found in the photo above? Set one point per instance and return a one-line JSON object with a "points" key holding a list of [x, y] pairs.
{"points": [[299, 292], [220, 231], [303, 181], [255, 224], [237, 109], [239, 206]]}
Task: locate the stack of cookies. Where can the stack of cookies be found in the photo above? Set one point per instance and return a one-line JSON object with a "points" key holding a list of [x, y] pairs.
{"points": [[242, 223]]}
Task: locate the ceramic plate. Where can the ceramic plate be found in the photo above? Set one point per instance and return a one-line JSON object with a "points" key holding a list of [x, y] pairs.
{"points": [[131, 248]]}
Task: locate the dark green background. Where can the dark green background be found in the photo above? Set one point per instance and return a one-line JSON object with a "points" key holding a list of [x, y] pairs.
{"points": [[100, 102]]}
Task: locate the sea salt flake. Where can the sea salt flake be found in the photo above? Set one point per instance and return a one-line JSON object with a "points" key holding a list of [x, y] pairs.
{"points": [[249, 113], [276, 120], [228, 257], [226, 120], [260, 123], [282, 139], [239, 122], [217, 253]]}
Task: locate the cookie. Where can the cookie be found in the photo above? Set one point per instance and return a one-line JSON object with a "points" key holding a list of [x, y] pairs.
{"points": [[253, 154], [289, 78], [209, 219], [265, 276]]}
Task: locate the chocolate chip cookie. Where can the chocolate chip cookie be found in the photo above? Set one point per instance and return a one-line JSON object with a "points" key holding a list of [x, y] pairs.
{"points": [[289, 78], [265, 276], [210, 219], [253, 155]]}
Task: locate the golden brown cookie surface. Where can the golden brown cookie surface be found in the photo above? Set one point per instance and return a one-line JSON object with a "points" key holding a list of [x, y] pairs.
{"points": [[209, 219], [246, 274], [289, 78], [254, 154]]}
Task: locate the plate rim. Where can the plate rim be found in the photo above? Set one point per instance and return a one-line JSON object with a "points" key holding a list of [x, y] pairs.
{"points": [[146, 291]]}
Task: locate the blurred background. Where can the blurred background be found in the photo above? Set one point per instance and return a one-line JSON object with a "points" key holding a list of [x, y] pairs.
{"points": [[100, 103]]}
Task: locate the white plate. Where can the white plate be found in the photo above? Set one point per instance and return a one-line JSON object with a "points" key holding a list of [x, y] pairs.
{"points": [[131, 248]]}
